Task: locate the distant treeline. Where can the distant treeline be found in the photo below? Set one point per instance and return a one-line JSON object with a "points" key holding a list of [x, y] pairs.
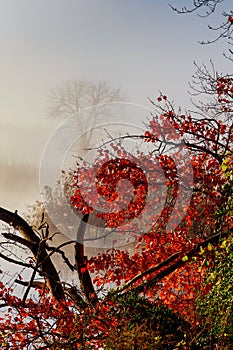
{"points": [[15, 174]]}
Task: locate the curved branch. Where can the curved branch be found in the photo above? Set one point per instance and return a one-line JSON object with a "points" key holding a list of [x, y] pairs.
{"points": [[18, 223], [210, 4], [33, 242], [17, 262], [169, 269]]}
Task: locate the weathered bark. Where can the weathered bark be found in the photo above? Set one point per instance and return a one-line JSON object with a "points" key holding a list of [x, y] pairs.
{"points": [[178, 262], [81, 265], [33, 242]]}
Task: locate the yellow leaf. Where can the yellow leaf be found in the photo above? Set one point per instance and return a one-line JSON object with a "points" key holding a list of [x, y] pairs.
{"points": [[185, 258]]}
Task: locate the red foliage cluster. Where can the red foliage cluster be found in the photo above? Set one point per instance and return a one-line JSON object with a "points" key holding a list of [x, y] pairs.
{"points": [[230, 19], [107, 178], [206, 140], [166, 263], [225, 92]]}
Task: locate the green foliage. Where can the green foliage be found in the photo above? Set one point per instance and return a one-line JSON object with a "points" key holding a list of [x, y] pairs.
{"points": [[216, 306], [146, 325]]}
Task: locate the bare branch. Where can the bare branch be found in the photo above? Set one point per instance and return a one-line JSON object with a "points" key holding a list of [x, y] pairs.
{"points": [[33, 242], [224, 30], [75, 95], [177, 264], [81, 265], [16, 262], [211, 6], [33, 276]]}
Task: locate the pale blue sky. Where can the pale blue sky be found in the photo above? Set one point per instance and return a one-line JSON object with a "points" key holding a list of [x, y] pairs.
{"points": [[141, 46]]}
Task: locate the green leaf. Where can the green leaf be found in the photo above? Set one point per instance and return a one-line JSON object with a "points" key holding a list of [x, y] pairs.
{"points": [[224, 244], [185, 258], [224, 166], [210, 247], [201, 251]]}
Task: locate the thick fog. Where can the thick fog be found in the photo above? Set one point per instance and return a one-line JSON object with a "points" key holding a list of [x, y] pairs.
{"points": [[44, 44], [20, 153]]}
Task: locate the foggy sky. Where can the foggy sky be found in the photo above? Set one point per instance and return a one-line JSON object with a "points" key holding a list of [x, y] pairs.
{"points": [[140, 46]]}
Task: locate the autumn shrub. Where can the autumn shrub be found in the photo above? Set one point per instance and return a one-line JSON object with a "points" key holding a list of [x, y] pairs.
{"points": [[216, 307], [146, 325]]}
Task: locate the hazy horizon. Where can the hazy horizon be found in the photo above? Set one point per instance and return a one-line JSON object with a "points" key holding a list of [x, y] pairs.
{"points": [[140, 47]]}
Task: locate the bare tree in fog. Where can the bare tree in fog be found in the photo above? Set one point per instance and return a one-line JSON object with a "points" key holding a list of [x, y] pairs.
{"points": [[72, 99], [76, 95]]}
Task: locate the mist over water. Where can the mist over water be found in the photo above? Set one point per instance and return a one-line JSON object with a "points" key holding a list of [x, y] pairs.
{"points": [[21, 148], [18, 184], [20, 153]]}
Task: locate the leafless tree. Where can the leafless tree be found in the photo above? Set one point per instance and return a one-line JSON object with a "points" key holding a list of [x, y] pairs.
{"points": [[75, 95], [88, 104]]}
